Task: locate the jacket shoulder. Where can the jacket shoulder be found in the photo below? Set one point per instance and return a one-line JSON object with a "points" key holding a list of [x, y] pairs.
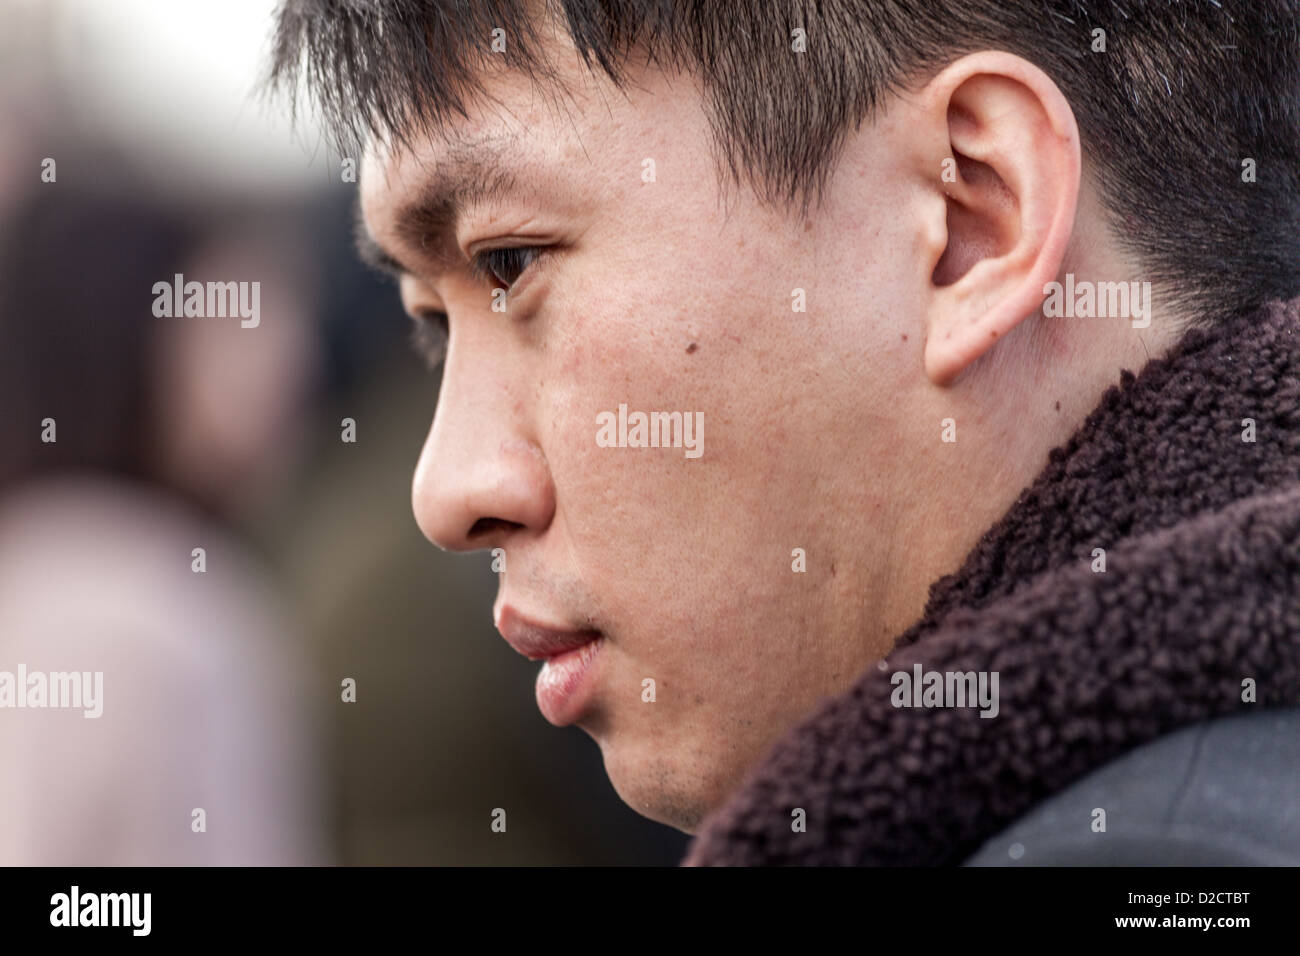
{"points": [[1221, 793]]}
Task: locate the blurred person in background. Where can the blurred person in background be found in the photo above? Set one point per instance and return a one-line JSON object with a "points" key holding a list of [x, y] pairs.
{"points": [[165, 431]]}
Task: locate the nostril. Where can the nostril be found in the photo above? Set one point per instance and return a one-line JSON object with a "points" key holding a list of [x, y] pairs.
{"points": [[490, 526]]}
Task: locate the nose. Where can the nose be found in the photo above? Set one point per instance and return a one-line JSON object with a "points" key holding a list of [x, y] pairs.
{"points": [[481, 479]]}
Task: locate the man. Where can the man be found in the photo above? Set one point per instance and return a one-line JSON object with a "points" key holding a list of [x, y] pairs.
{"points": [[976, 294]]}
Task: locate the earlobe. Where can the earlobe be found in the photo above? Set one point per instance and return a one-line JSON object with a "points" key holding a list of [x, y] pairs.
{"points": [[1009, 195]]}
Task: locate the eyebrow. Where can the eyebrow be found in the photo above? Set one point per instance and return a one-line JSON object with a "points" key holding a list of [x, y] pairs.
{"points": [[472, 175]]}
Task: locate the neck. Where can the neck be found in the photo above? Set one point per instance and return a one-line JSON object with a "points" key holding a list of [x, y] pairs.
{"points": [[1024, 399]]}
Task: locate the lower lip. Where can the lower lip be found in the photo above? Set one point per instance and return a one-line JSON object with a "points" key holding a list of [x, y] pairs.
{"points": [[563, 685]]}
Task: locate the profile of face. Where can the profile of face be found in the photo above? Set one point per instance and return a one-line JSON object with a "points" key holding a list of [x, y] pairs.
{"points": [[828, 357]]}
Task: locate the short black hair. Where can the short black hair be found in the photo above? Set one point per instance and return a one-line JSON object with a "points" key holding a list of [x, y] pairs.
{"points": [[1182, 96]]}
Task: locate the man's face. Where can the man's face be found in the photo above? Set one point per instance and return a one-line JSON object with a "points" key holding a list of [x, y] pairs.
{"points": [[658, 289]]}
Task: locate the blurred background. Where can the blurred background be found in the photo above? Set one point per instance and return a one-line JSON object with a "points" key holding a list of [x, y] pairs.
{"points": [[134, 146]]}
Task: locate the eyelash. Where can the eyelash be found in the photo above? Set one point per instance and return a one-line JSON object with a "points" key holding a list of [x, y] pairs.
{"points": [[487, 265], [430, 332]]}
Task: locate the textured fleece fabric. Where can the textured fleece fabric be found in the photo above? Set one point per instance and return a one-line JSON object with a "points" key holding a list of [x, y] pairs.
{"points": [[1201, 532]]}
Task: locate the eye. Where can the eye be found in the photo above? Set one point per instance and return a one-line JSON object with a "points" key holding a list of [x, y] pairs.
{"points": [[429, 337], [503, 266]]}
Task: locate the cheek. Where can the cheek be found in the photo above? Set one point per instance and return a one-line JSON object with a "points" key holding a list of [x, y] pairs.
{"points": [[673, 338], [657, 527], [630, 517], [594, 376]]}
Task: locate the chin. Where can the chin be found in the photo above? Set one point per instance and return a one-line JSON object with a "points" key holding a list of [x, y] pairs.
{"points": [[659, 787]]}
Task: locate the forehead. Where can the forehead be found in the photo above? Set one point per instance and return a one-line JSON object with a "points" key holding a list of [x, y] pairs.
{"points": [[519, 124]]}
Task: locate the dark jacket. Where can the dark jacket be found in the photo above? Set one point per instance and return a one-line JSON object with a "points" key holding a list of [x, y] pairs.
{"points": [[1195, 619]]}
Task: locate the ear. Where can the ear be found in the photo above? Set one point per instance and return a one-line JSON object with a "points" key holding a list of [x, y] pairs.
{"points": [[1008, 201]]}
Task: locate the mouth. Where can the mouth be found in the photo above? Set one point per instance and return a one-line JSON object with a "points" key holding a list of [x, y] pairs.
{"points": [[563, 687]]}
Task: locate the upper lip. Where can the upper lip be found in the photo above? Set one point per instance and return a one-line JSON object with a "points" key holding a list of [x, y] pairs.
{"points": [[540, 641]]}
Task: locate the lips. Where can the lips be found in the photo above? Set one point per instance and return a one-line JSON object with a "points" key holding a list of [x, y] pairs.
{"points": [[563, 689], [539, 642]]}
